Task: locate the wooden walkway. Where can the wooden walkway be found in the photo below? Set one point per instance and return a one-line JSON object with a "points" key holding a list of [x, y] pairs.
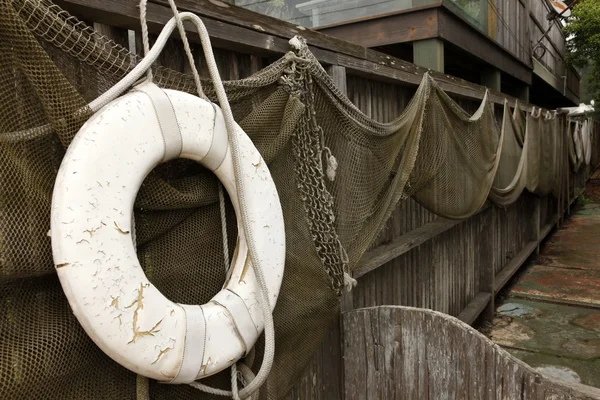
{"points": [[551, 316]]}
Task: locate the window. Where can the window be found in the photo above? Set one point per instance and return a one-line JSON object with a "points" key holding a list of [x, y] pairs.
{"points": [[316, 13]]}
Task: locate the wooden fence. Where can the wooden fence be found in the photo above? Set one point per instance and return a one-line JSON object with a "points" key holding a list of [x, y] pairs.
{"points": [[419, 260], [406, 353]]}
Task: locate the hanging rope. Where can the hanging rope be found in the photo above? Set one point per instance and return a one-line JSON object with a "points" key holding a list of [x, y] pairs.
{"points": [[255, 382]]}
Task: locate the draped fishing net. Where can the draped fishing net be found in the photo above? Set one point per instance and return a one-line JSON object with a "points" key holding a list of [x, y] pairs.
{"points": [[52, 65], [579, 137]]}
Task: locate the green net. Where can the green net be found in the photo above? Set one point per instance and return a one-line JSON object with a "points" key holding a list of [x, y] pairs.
{"points": [[52, 65]]}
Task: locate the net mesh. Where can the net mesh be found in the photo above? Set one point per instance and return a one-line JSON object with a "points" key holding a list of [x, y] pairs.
{"points": [[52, 65]]}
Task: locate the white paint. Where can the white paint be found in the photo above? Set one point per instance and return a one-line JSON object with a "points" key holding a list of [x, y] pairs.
{"points": [[123, 313]]}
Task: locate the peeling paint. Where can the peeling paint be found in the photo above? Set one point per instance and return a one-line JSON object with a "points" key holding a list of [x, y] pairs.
{"points": [[139, 303], [119, 229], [91, 231], [204, 366], [245, 270], [115, 302], [162, 353]]}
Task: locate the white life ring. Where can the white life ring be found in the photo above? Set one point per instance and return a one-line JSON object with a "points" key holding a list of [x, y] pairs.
{"points": [[91, 224]]}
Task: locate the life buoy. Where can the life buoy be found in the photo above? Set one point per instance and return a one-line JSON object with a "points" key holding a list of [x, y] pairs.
{"points": [[95, 258]]}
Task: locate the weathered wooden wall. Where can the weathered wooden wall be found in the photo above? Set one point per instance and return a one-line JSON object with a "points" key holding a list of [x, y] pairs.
{"points": [[551, 50], [508, 25], [407, 353], [448, 266]]}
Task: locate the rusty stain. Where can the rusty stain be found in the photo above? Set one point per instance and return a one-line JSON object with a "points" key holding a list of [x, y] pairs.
{"points": [[119, 229], [561, 284], [62, 265], [115, 302], [258, 164], [590, 322]]}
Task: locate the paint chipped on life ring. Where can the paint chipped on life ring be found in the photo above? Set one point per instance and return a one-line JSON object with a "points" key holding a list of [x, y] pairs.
{"points": [[94, 254]]}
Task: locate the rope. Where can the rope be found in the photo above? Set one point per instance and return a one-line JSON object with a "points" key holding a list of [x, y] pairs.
{"points": [[230, 124], [182, 34], [224, 227]]}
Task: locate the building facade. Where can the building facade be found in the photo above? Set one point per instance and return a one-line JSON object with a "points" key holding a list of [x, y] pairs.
{"points": [[514, 46]]}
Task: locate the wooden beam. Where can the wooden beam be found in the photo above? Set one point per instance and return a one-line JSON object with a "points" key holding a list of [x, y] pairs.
{"points": [[453, 29], [375, 258], [513, 266], [242, 17], [475, 308], [491, 78], [125, 14], [391, 29], [429, 53]]}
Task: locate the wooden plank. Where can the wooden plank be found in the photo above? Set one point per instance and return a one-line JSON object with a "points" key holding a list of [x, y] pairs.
{"points": [[241, 17], [475, 308], [513, 266], [125, 14], [375, 258], [390, 29]]}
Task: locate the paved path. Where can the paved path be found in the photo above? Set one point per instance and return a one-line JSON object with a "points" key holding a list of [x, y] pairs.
{"points": [[550, 317]]}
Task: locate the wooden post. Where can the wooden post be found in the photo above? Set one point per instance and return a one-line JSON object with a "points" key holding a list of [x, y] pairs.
{"points": [[535, 223], [523, 93], [429, 53], [485, 251], [491, 78], [339, 77], [336, 338]]}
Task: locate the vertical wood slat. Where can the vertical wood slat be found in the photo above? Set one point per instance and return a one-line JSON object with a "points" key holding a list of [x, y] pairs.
{"points": [[338, 74]]}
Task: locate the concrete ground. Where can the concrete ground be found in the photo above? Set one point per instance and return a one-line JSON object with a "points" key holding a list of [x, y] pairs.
{"points": [[550, 316]]}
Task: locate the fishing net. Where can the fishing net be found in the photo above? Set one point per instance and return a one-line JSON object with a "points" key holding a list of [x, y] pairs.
{"points": [[52, 65], [511, 177]]}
